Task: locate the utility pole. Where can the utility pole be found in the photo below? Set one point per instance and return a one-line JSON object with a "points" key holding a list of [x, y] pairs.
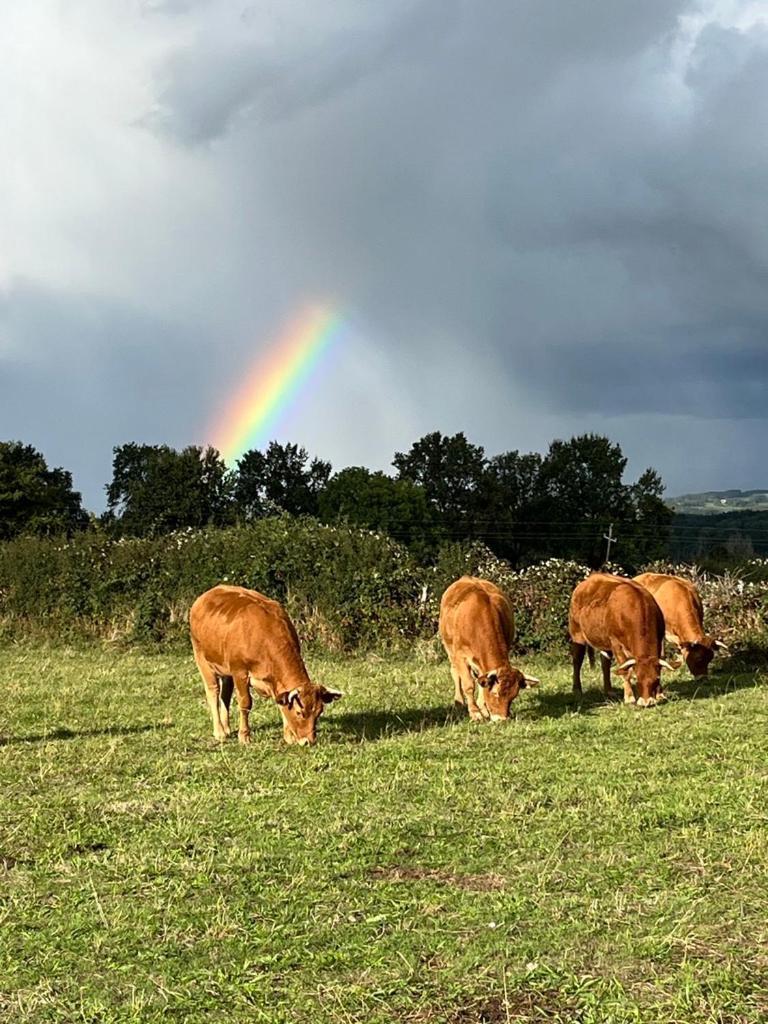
{"points": [[611, 539]]}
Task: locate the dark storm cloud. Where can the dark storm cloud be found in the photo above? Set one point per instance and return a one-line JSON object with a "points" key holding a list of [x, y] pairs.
{"points": [[93, 374], [558, 207], [529, 180]]}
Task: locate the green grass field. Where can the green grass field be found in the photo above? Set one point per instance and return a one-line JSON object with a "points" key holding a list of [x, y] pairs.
{"points": [[582, 862]]}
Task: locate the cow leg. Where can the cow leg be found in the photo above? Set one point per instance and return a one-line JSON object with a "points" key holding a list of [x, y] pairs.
{"points": [[211, 681], [468, 686], [629, 693], [227, 685], [458, 696], [605, 667], [577, 655], [244, 704]]}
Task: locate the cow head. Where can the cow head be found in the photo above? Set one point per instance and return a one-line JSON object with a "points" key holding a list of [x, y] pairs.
{"points": [[647, 671], [697, 655], [301, 707], [500, 687]]}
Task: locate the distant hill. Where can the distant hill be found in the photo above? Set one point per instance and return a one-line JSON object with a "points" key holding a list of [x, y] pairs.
{"points": [[717, 502]]}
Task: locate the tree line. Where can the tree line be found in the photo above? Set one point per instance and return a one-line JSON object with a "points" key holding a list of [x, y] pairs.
{"points": [[523, 506]]}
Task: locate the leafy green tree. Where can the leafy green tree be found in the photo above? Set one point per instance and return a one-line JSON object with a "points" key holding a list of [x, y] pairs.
{"points": [[33, 498], [453, 474], [514, 503], [582, 492], [156, 489], [379, 502], [281, 479], [652, 519]]}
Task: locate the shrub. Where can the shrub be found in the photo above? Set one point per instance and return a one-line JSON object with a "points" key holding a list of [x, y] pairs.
{"points": [[345, 588]]}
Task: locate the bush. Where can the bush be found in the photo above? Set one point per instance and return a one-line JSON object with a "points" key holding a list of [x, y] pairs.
{"points": [[345, 588]]}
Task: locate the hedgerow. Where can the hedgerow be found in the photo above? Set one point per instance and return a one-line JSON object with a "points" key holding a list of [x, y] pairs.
{"points": [[345, 588]]}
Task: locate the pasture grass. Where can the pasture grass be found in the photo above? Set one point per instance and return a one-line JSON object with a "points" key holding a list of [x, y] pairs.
{"points": [[584, 861]]}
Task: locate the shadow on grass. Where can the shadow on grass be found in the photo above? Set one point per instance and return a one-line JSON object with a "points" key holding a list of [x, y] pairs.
{"points": [[557, 703], [718, 684], [374, 725], [725, 680], [77, 734]]}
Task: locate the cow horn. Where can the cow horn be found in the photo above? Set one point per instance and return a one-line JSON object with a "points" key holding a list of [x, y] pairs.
{"points": [[287, 697], [606, 655], [627, 664], [665, 664], [721, 645], [532, 680]]}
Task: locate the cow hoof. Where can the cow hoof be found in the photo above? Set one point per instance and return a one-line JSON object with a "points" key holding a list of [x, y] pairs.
{"points": [[476, 716], [660, 697], [649, 703], [498, 718], [244, 737], [630, 700]]}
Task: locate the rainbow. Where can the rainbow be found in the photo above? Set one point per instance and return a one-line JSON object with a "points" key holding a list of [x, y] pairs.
{"points": [[273, 382]]}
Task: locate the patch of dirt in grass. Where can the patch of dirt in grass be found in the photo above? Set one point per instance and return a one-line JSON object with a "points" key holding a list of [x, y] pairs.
{"points": [[521, 1007], [80, 849], [8, 863], [473, 883]]}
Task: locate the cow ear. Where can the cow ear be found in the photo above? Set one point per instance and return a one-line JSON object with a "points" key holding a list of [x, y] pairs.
{"points": [[326, 695]]}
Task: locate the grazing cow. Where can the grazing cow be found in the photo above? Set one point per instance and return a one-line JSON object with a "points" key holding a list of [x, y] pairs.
{"points": [[619, 618], [683, 620], [242, 639], [477, 626]]}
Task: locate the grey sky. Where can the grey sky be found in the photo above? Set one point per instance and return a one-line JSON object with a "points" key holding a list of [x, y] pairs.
{"points": [[537, 218]]}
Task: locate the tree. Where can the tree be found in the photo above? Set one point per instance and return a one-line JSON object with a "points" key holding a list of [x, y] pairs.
{"points": [[378, 502], [513, 489], [583, 492], [33, 498], [156, 489], [282, 479], [652, 518], [452, 473]]}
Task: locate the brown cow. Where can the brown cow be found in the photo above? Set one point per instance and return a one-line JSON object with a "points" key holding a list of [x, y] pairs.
{"points": [[619, 618], [477, 626], [242, 639], [683, 619]]}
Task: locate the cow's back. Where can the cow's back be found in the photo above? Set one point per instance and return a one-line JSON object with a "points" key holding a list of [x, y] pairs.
{"points": [[604, 607], [233, 626], [679, 601], [470, 605]]}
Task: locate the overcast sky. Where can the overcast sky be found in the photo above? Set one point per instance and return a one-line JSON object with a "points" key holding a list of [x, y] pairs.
{"points": [[535, 217]]}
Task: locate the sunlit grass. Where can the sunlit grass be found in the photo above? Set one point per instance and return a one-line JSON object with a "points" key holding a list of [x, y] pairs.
{"points": [[582, 862]]}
